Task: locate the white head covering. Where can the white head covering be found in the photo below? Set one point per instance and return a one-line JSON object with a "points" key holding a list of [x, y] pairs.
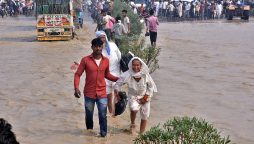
{"points": [[143, 71], [102, 33]]}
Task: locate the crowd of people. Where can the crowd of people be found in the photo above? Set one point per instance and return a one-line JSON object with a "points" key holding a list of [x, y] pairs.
{"points": [[16, 7], [202, 10], [171, 10], [199, 9]]}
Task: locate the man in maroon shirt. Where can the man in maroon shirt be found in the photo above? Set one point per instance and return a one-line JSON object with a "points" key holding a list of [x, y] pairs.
{"points": [[96, 67], [152, 23]]}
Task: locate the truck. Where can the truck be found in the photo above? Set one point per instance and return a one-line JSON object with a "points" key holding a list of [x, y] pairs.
{"points": [[54, 20], [240, 9]]}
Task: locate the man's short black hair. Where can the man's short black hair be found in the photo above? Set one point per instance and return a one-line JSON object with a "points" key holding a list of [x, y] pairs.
{"points": [[6, 134], [118, 18], [151, 12], [124, 11], [96, 42]]}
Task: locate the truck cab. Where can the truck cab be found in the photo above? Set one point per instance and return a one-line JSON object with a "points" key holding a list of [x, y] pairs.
{"points": [[54, 20]]}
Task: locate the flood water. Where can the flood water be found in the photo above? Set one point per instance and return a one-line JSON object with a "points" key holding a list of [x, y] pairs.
{"points": [[206, 70]]}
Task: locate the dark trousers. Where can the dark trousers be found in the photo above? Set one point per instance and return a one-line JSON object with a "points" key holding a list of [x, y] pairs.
{"points": [[102, 112], [153, 37]]}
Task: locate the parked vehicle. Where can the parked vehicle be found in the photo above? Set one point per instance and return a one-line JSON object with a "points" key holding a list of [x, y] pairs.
{"points": [[238, 10], [54, 20]]}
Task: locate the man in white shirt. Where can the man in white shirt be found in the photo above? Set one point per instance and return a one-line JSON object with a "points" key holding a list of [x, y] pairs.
{"points": [[171, 10], [164, 8], [219, 9], [187, 10], [157, 6], [180, 9], [133, 7], [126, 21], [160, 8]]}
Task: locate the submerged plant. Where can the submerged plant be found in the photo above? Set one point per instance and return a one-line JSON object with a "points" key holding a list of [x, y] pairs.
{"points": [[183, 130]]}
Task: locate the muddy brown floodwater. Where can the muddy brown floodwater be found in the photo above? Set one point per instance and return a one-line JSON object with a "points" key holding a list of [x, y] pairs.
{"points": [[206, 70]]}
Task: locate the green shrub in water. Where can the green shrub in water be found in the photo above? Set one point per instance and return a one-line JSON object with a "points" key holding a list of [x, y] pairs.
{"points": [[183, 130]]}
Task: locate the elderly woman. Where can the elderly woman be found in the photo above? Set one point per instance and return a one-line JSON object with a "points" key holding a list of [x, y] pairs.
{"points": [[111, 51], [140, 90]]}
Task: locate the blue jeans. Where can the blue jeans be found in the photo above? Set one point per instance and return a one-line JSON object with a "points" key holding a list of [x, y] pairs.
{"points": [[102, 112]]}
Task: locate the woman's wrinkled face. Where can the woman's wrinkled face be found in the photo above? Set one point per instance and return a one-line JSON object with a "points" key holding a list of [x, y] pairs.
{"points": [[136, 65], [103, 38]]}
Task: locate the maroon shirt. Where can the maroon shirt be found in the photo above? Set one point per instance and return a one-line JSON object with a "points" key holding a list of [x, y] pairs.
{"points": [[152, 23], [95, 85]]}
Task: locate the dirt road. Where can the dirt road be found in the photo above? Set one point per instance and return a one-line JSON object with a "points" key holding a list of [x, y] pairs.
{"points": [[207, 70]]}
